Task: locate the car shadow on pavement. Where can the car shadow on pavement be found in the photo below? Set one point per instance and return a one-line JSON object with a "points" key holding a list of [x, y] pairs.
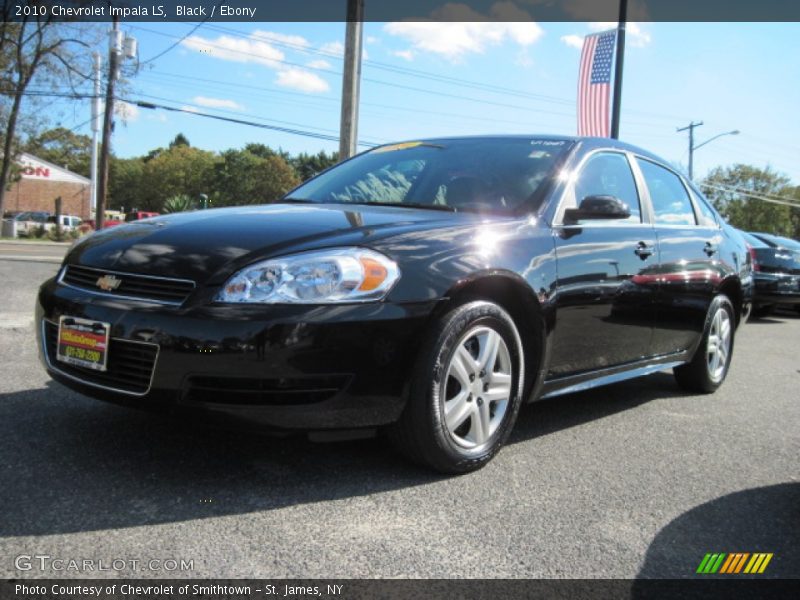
{"points": [[563, 412], [73, 464], [764, 519]]}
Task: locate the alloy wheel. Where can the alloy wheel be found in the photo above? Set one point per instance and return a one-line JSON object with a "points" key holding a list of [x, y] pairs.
{"points": [[719, 344], [477, 387]]}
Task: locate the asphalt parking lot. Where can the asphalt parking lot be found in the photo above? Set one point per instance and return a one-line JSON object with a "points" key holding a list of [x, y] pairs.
{"points": [[633, 480]]}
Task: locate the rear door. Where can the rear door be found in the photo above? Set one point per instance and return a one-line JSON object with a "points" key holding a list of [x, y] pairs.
{"points": [[605, 303], [689, 269]]}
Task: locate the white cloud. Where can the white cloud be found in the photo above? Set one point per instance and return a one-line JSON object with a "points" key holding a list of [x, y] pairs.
{"points": [[371, 39], [258, 49], [333, 48], [635, 35], [300, 79], [575, 41], [319, 64], [461, 30], [188, 108], [244, 50], [405, 54], [127, 112], [217, 103]]}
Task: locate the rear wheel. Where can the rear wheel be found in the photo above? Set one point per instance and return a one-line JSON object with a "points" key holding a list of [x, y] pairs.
{"points": [[709, 366], [465, 391]]}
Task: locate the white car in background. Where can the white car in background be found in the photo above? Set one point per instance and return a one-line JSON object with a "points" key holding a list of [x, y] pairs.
{"points": [[68, 222]]}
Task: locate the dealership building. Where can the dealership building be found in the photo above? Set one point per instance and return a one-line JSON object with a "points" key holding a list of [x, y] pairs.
{"points": [[41, 182]]}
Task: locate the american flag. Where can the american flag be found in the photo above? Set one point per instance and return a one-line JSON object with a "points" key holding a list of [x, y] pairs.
{"points": [[594, 83]]}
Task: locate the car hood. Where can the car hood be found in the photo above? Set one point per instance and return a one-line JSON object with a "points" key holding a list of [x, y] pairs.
{"points": [[197, 245]]}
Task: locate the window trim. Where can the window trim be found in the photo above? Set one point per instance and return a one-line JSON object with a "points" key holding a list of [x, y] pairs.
{"points": [[569, 190]]}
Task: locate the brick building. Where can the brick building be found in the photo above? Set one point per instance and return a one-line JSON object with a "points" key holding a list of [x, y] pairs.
{"points": [[42, 182]]}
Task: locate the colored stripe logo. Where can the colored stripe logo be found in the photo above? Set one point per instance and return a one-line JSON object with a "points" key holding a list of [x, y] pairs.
{"points": [[734, 563]]}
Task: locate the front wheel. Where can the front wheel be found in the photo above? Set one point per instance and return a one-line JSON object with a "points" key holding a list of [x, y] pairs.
{"points": [[465, 392], [710, 364]]}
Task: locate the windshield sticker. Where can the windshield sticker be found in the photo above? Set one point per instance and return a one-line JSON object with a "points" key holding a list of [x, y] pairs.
{"points": [[405, 146], [548, 142]]}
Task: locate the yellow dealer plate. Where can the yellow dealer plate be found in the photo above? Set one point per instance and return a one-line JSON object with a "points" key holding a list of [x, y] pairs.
{"points": [[83, 343]]}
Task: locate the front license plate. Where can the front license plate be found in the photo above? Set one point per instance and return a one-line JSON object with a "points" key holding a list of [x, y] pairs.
{"points": [[83, 343]]}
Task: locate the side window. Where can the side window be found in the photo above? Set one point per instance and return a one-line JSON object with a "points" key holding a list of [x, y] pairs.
{"points": [[609, 174], [671, 203], [706, 216]]}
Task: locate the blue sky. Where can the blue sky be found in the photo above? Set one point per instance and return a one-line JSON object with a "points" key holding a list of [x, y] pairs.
{"points": [[521, 78]]}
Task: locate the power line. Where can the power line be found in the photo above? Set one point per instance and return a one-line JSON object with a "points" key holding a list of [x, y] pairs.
{"points": [[377, 81], [493, 88], [732, 190], [311, 134], [260, 118]]}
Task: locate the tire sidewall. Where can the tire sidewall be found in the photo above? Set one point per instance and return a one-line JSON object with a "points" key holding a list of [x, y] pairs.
{"points": [[457, 323], [720, 301]]}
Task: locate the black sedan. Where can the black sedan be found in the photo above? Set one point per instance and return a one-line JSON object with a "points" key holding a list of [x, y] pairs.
{"points": [[776, 272], [427, 288]]}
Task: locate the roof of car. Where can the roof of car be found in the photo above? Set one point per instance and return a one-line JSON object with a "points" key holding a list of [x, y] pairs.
{"points": [[590, 142]]}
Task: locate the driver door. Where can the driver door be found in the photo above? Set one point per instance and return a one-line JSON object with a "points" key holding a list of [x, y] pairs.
{"points": [[605, 302]]}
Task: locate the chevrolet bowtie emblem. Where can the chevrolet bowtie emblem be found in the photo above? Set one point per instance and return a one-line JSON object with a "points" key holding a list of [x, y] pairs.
{"points": [[108, 283]]}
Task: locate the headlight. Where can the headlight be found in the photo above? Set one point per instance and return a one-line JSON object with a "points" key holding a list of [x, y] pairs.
{"points": [[319, 277]]}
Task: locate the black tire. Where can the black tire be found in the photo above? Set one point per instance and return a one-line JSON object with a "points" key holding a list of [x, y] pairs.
{"points": [[696, 375], [421, 433]]}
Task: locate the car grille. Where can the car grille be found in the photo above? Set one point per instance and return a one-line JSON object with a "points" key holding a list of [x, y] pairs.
{"points": [[155, 289], [271, 392], [129, 369]]}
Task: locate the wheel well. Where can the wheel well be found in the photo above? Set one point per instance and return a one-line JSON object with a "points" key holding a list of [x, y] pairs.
{"points": [[733, 290], [517, 299]]}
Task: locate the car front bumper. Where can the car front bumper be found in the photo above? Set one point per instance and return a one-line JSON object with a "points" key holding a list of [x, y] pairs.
{"points": [[280, 367]]}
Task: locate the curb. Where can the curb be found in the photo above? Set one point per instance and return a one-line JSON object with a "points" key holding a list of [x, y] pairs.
{"points": [[26, 243], [32, 258]]}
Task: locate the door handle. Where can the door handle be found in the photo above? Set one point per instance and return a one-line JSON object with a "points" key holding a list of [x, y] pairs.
{"points": [[710, 249], [643, 250]]}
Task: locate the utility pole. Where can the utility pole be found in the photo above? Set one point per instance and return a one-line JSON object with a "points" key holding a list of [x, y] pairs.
{"points": [[690, 127], [351, 79], [620, 60], [114, 50], [95, 132]]}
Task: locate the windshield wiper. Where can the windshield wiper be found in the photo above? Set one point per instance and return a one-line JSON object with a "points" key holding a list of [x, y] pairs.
{"points": [[442, 207], [295, 201]]}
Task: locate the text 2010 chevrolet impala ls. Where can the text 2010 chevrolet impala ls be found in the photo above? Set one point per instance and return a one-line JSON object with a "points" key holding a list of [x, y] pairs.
{"points": [[427, 288]]}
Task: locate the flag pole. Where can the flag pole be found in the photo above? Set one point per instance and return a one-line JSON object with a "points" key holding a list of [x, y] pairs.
{"points": [[623, 16]]}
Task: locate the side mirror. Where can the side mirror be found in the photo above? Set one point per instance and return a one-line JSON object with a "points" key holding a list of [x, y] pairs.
{"points": [[598, 207]]}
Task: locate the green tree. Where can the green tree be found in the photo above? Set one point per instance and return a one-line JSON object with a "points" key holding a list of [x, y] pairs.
{"points": [[125, 183], [178, 170], [750, 214], [63, 147], [180, 140], [180, 203], [242, 177], [308, 165]]}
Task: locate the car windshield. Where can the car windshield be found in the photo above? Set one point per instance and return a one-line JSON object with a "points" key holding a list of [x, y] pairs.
{"points": [[477, 175]]}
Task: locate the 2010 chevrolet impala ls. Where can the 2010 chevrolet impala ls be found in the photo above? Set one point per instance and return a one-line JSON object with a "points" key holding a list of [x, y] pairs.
{"points": [[426, 288]]}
